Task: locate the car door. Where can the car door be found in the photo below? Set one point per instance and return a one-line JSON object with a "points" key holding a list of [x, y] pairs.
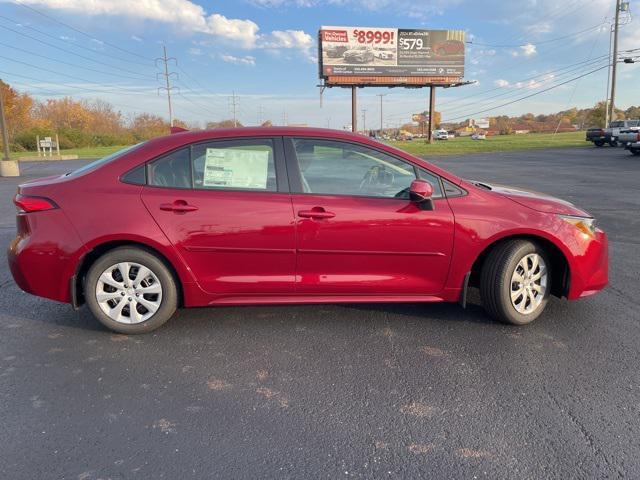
{"points": [[357, 231], [225, 206]]}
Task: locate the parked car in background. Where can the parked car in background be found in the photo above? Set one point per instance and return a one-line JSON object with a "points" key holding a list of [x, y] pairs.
{"points": [[448, 47], [285, 215], [361, 54], [479, 136], [441, 135]]}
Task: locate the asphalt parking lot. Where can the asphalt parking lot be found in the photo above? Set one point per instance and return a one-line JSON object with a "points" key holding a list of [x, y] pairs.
{"points": [[364, 391]]}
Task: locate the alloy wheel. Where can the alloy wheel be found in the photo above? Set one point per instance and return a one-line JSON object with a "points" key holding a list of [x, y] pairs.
{"points": [[529, 284]]}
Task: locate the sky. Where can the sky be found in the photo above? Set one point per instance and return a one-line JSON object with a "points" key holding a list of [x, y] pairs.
{"points": [[261, 56]]}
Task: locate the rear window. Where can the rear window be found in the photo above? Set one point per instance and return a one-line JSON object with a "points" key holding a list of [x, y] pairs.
{"points": [[104, 160], [616, 124]]}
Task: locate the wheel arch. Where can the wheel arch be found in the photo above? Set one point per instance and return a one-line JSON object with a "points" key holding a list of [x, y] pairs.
{"points": [[101, 248], [560, 268]]}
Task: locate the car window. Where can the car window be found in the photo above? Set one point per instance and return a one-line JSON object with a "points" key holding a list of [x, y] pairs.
{"points": [[616, 124], [105, 160], [340, 168], [171, 171], [246, 164]]}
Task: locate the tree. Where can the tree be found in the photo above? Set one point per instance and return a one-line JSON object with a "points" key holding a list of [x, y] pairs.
{"points": [[146, 126], [17, 109], [267, 123], [223, 124]]}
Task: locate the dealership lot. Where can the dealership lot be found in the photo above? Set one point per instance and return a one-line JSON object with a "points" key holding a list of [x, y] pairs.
{"points": [[398, 391]]}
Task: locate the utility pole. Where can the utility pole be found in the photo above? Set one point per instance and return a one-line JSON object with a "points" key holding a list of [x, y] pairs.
{"points": [[260, 114], [167, 78], [284, 118], [328, 122], [8, 167], [381, 95], [233, 105], [364, 120], [614, 61]]}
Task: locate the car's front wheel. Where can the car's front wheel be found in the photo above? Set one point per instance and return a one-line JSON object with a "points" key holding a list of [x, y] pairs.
{"points": [[516, 281], [635, 151], [130, 290]]}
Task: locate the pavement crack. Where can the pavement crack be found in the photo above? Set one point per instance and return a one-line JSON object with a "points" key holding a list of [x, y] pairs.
{"points": [[584, 432]]}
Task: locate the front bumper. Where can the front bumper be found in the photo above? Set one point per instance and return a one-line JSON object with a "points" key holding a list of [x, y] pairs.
{"points": [[589, 271]]}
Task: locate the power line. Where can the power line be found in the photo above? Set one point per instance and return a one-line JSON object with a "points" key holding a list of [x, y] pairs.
{"points": [[14, 22], [103, 72], [541, 42], [73, 77], [69, 51], [80, 31], [525, 97]]}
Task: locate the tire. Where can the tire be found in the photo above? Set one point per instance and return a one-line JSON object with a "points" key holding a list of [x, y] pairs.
{"points": [[496, 282], [635, 151], [614, 143], [164, 299], [599, 143]]}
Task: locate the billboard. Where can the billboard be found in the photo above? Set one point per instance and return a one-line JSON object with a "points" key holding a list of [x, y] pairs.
{"points": [[391, 56]]}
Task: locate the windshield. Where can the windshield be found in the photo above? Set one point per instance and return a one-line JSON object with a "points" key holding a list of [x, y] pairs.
{"points": [[616, 124], [105, 160]]}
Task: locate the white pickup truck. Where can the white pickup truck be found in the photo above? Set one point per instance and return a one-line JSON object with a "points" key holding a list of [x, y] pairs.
{"points": [[616, 127], [631, 140]]}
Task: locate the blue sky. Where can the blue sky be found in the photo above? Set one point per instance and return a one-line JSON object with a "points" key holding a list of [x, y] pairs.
{"points": [[264, 51]]}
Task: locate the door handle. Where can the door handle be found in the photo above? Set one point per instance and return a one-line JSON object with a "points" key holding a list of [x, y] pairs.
{"points": [[316, 212], [179, 206]]}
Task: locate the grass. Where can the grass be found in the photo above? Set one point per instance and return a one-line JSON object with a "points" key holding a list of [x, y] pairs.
{"points": [[454, 146], [498, 143], [85, 152]]}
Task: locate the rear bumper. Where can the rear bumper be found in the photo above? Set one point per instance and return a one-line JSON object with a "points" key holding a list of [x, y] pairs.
{"points": [[44, 266], [590, 271]]}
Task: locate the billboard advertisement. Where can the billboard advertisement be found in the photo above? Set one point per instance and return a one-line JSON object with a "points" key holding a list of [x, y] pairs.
{"points": [[399, 56]]}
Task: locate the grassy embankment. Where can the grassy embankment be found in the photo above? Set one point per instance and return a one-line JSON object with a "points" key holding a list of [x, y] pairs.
{"points": [[498, 143], [454, 146]]}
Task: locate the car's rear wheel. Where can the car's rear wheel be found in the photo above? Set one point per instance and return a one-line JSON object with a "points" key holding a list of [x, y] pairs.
{"points": [[130, 290], [614, 143], [635, 151], [516, 282], [599, 143]]}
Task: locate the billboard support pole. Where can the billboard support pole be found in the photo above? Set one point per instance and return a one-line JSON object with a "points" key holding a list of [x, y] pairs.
{"points": [[432, 105], [354, 109]]}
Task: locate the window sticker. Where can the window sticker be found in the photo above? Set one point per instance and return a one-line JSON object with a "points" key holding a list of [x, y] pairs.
{"points": [[236, 168]]}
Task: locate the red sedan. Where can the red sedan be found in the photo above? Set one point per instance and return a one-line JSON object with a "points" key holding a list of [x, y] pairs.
{"points": [[292, 215]]}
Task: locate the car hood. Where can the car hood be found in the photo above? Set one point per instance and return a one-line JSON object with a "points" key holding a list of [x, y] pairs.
{"points": [[540, 202], [354, 52]]}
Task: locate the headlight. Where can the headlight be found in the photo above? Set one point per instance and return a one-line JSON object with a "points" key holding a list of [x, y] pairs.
{"points": [[586, 225]]}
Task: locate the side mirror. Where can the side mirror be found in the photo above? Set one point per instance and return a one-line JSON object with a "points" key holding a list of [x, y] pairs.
{"points": [[420, 193]]}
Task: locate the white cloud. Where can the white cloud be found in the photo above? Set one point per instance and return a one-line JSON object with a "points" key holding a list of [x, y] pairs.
{"points": [[528, 50], [501, 82], [191, 18], [247, 60], [135, 38], [196, 52]]}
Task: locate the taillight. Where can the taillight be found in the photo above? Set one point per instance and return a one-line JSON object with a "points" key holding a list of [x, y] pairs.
{"points": [[638, 138], [29, 204]]}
